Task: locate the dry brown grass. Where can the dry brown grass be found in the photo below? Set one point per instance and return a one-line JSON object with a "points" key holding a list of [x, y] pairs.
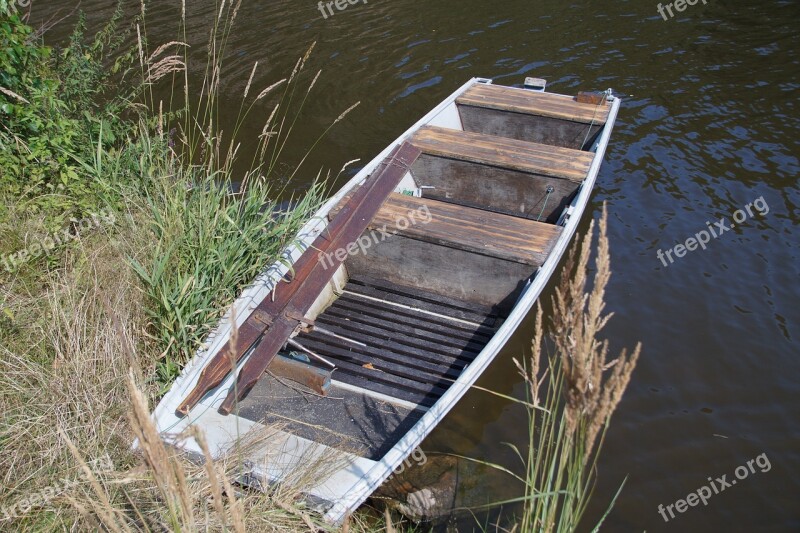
{"points": [[72, 393], [593, 392], [572, 392]]}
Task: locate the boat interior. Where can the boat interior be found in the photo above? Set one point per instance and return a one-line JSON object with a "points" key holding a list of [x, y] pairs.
{"points": [[438, 269]]}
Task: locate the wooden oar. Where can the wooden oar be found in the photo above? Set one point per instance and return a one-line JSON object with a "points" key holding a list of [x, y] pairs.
{"points": [[387, 176], [277, 305]]}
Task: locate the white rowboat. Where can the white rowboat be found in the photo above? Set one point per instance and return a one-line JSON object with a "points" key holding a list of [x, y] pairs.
{"points": [[492, 185]]}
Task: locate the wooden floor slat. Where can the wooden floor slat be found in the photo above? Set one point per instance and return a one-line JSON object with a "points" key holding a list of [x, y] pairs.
{"points": [[415, 357], [408, 298], [407, 316], [403, 332], [426, 400], [421, 296], [382, 372], [400, 342], [426, 368], [409, 354]]}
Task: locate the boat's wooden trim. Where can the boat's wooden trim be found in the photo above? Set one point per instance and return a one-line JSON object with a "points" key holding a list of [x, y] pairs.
{"points": [[503, 152], [543, 104], [282, 314], [497, 235]]}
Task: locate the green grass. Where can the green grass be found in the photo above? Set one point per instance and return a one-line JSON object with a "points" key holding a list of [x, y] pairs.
{"points": [[107, 320], [208, 246]]}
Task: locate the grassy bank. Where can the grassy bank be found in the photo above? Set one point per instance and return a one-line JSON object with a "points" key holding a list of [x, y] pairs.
{"points": [[120, 246]]}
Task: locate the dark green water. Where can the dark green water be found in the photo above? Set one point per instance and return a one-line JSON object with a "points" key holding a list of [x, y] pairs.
{"points": [[710, 125]]}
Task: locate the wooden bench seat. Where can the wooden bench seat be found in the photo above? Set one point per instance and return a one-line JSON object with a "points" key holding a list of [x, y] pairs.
{"points": [[496, 235], [534, 103], [532, 116], [503, 152]]}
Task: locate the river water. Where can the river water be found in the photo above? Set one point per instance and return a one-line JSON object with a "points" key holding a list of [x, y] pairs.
{"points": [[709, 124]]}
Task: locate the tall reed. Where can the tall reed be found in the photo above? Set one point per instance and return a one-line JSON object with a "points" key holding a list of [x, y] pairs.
{"points": [[210, 240], [568, 419], [572, 389]]}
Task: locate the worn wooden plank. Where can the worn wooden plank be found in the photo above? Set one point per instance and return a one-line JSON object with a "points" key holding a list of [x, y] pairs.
{"points": [[530, 128], [535, 158], [355, 304], [379, 341], [411, 301], [534, 103], [395, 362], [502, 190], [316, 379], [595, 98], [423, 399], [422, 297], [473, 230], [391, 358], [383, 372], [445, 270], [443, 345]]}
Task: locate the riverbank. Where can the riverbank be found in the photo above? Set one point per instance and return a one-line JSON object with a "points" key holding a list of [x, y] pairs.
{"points": [[98, 317]]}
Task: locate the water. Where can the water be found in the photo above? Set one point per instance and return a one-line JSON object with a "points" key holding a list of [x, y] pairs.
{"points": [[709, 125]]}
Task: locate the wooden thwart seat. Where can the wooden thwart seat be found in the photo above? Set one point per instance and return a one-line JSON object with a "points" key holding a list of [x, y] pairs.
{"points": [[503, 152], [534, 103], [497, 235]]}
